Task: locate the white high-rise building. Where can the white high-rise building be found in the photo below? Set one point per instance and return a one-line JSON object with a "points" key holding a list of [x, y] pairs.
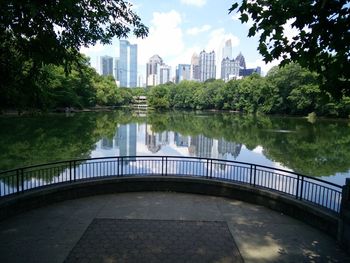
{"points": [[157, 72], [207, 68], [164, 74], [153, 70], [227, 50], [229, 69]]}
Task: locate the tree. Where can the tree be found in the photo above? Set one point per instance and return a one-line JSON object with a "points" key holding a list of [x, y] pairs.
{"points": [[322, 43], [159, 97], [53, 31], [37, 33]]}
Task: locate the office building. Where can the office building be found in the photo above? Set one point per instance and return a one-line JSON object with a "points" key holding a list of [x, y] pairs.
{"points": [[229, 69], [164, 74], [195, 67], [153, 70], [227, 50], [127, 64], [116, 69], [207, 68], [240, 58], [183, 72], [249, 71], [106, 66], [157, 72]]}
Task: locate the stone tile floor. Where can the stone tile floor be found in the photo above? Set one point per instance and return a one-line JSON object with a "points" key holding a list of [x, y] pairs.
{"points": [[137, 241]]}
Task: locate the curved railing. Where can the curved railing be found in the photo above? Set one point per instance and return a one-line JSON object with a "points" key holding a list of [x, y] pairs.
{"points": [[305, 188]]}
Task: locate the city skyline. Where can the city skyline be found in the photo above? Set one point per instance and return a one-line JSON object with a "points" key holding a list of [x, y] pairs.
{"points": [[130, 139], [202, 67], [179, 28]]}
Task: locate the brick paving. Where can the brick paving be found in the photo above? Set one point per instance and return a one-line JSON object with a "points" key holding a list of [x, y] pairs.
{"points": [[135, 240]]}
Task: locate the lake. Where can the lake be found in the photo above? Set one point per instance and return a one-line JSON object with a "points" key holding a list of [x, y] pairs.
{"points": [[319, 148]]}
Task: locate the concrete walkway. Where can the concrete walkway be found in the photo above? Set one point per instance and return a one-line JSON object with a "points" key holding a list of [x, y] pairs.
{"points": [[61, 232]]}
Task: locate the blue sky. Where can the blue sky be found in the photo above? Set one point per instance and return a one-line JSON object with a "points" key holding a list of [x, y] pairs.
{"points": [[178, 28]]}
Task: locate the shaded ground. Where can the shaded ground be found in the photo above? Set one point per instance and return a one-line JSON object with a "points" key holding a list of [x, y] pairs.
{"points": [[59, 232], [138, 240]]}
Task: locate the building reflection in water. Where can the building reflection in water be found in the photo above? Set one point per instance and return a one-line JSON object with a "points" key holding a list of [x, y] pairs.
{"points": [[128, 137], [155, 141], [127, 140]]}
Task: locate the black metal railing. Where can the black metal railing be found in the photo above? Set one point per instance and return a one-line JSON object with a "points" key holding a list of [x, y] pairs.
{"points": [[305, 188]]}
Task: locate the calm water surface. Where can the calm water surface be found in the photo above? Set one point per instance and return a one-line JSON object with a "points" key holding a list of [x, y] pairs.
{"points": [[321, 148]]}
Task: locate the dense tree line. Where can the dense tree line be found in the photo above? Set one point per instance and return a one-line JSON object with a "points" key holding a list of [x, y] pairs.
{"points": [[52, 88], [285, 90]]}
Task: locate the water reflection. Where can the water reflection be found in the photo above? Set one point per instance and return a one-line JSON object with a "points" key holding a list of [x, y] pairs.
{"points": [[140, 139], [316, 149]]}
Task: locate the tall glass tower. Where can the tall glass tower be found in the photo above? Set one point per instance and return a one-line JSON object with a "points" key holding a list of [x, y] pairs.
{"points": [[106, 65], [227, 50], [127, 64]]}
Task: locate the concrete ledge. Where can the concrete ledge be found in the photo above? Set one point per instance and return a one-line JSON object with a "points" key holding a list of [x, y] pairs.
{"points": [[312, 215]]}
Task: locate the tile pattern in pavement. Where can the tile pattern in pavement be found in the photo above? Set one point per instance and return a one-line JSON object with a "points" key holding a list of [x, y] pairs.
{"points": [[135, 240]]}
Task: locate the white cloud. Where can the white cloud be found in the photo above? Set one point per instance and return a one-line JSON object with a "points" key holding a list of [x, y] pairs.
{"points": [[196, 30], [165, 37], [92, 49], [194, 2], [183, 58]]}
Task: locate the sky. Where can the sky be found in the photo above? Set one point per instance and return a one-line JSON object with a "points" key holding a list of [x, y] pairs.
{"points": [[178, 28]]}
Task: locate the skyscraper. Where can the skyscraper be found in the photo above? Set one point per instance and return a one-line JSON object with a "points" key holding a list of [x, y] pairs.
{"points": [[156, 71], [164, 74], [241, 60], [153, 70], [195, 67], [116, 69], [183, 72], [207, 68], [229, 69], [106, 65], [127, 64], [227, 50]]}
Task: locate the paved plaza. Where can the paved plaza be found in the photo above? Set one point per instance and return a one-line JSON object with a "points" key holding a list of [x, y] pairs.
{"points": [[161, 227]]}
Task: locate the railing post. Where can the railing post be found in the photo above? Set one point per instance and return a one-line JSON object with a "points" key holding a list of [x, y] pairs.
{"points": [[118, 165], [211, 168], [74, 171], [22, 179], [297, 192], [121, 172], [70, 171], [166, 166], [17, 180], [162, 166], [207, 175], [301, 188], [251, 175], [254, 174]]}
